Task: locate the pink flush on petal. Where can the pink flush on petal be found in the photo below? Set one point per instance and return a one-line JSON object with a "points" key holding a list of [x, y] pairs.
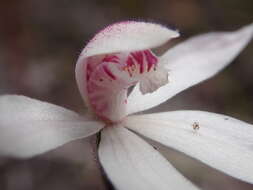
{"points": [[109, 79]]}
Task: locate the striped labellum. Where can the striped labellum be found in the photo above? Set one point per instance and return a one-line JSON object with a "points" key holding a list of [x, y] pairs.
{"points": [[109, 77], [117, 58]]}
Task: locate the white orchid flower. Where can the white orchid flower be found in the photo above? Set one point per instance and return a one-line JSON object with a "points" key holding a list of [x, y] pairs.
{"points": [[117, 58]]}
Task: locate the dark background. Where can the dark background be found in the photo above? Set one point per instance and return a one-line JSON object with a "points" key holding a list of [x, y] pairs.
{"points": [[40, 42]]}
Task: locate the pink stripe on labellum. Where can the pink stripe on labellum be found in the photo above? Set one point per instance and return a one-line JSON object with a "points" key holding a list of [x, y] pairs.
{"points": [[151, 59], [138, 56], [108, 72], [92, 64], [111, 58], [130, 62]]}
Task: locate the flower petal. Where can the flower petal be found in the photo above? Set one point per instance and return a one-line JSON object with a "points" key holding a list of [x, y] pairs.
{"points": [[217, 140], [119, 37], [128, 36], [154, 80], [131, 163], [30, 127], [191, 62]]}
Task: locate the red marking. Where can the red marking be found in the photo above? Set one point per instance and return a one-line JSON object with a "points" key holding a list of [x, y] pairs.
{"points": [[151, 59], [125, 101], [91, 66], [111, 58], [108, 72], [138, 56], [130, 62]]}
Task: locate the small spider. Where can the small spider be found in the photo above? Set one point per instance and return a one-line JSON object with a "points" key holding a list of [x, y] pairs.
{"points": [[195, 126]]}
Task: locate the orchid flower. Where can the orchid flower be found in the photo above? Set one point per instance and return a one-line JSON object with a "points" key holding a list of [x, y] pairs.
{"points": [[120, 57]]}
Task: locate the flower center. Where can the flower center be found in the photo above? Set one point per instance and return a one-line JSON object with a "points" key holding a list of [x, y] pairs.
{"points": [[109, 77]]}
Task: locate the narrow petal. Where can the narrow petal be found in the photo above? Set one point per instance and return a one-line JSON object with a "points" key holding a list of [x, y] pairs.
{"points": [[191, 62], [30, 127], [128, 36], [131, 163], [217, 140]]}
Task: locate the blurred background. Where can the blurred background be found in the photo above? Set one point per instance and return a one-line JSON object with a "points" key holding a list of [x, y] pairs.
{"points": [[39, 44]]}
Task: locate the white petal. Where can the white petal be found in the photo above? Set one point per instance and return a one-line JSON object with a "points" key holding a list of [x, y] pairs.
{"points": [[191, 62], [154, 81], [30, 127], [131, 163], [128, 36], [221, 141]]}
